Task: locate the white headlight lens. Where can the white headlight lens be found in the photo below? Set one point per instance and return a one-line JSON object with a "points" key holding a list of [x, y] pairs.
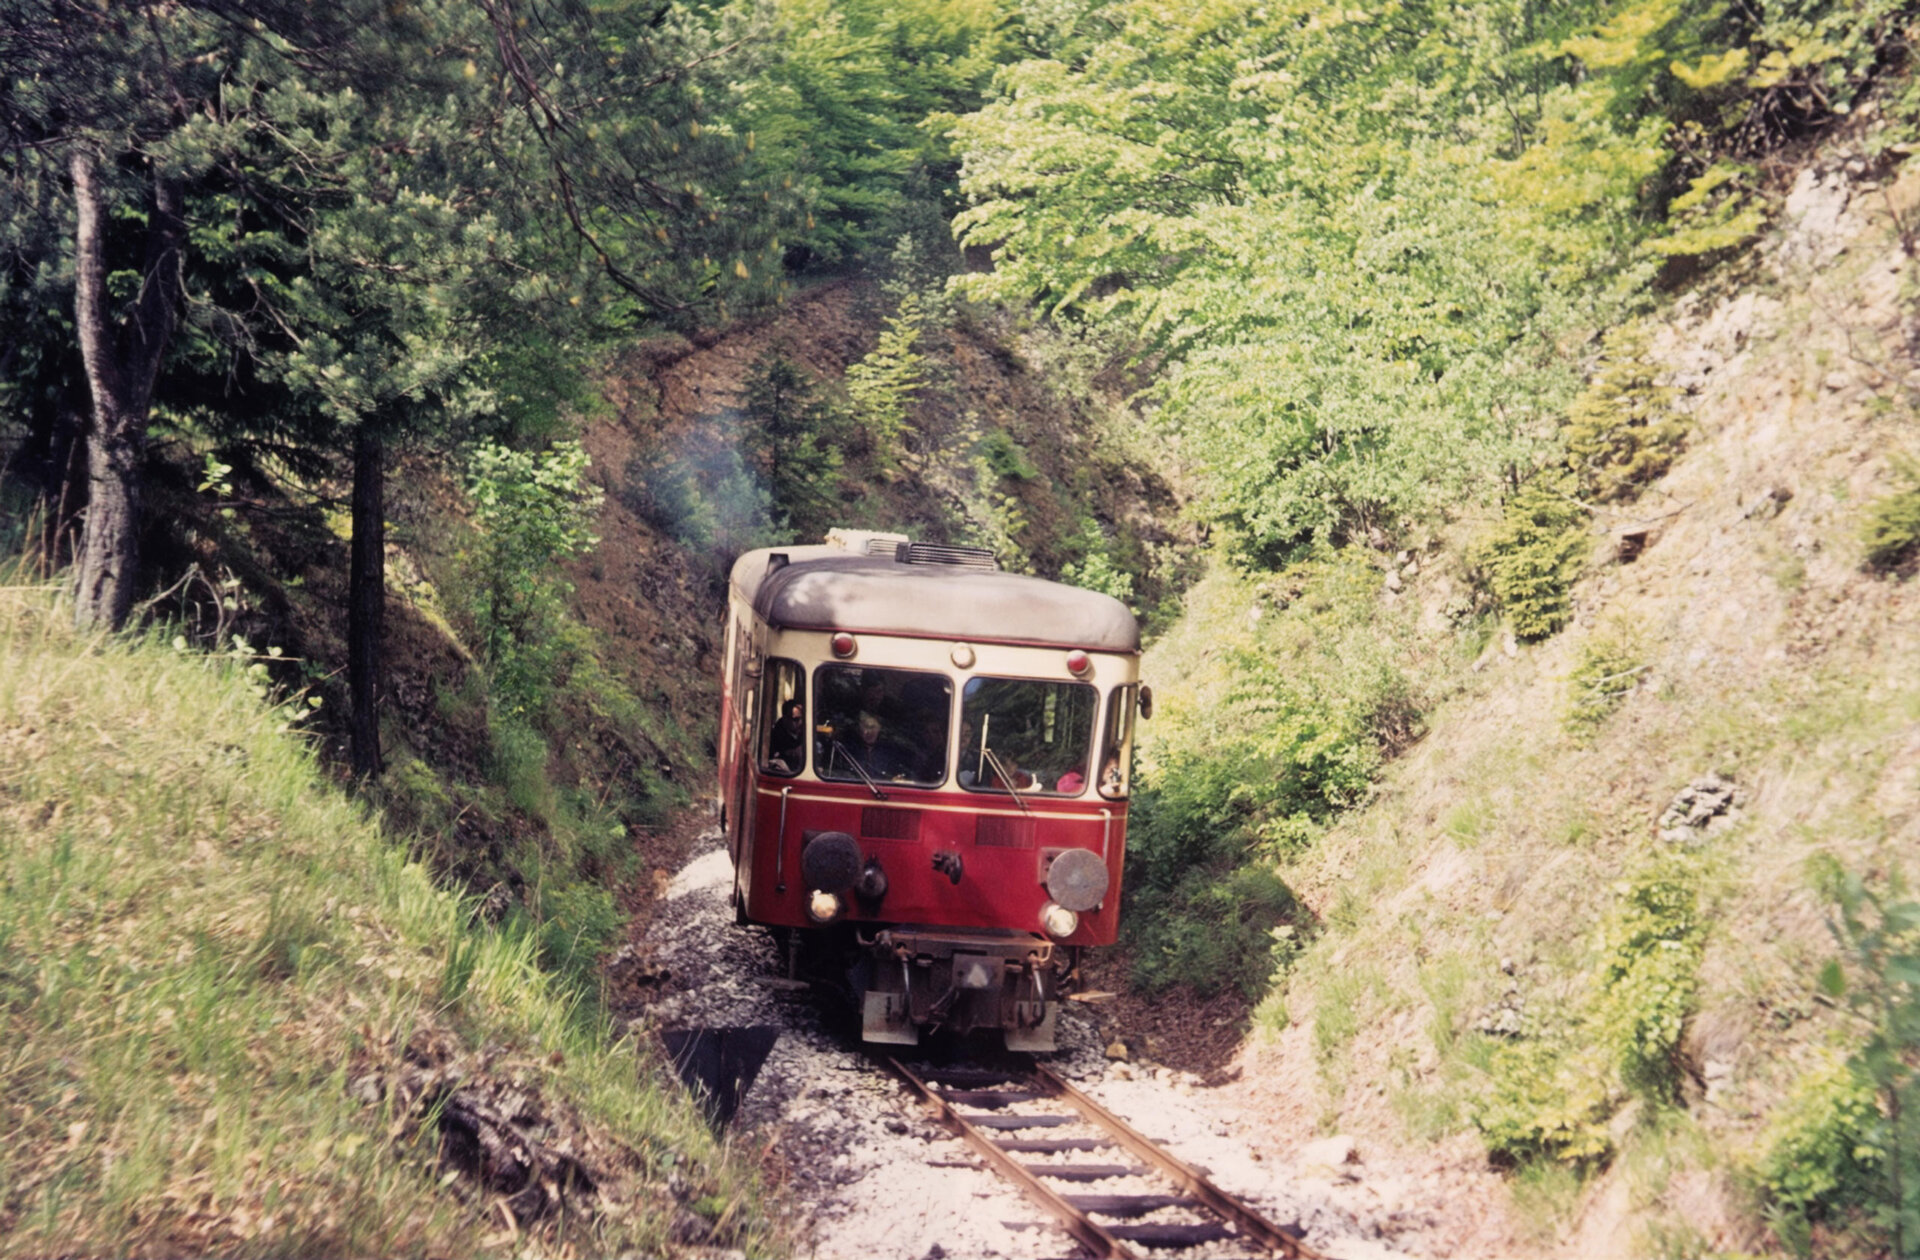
{"points": [[1057, 920], [823, 907]]}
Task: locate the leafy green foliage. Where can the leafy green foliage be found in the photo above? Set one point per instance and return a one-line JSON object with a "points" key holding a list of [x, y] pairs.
{"points": [[1622, 432], [1341, 300], [1098, 573], [534, 509], [849, 104], [1218, 932], [1546, 1099], [1006, 457], [885, 381], [1891, 532], [1286, 726], [1355, 246], [1550, 1094], [1877, 977], [1817, 1156], [1647, 979]]}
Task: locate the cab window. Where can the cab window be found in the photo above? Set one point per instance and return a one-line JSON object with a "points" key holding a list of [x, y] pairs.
{"points": [[881, 724], [1026, 733], [783, 740], [1116, 743]]}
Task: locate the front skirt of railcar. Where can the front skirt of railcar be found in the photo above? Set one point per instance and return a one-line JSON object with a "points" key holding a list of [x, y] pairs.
{"points": [[910, 979]]}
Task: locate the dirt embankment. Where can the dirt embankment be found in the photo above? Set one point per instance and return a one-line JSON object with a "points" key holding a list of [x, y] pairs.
{"points": [[1775, 715]]}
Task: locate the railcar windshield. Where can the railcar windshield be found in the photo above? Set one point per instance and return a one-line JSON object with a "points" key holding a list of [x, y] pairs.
{"points": [[1023, 733], [881, 724]]}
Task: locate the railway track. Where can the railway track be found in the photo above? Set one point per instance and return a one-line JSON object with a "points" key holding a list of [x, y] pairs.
{"points": [[1114, 1191]]}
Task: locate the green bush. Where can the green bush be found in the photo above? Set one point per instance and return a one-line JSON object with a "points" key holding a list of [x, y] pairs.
{"points": [[1545, 1100], [1818, 1154], [1844, 1131], [1533, 555], [1099, 573], [534, 509], [887, 380], [1215, 933], [517, 762], [574, 922], [1891, 533], [1305, 707], [1623, 431], [1647, 981], [1549, 1095], [1609, 668], [1007, 457]]}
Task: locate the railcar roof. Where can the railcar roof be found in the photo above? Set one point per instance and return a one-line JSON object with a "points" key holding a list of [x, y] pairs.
{"points": [[828, 588]]}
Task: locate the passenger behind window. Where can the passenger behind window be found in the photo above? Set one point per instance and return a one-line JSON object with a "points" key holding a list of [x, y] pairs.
{"points": [[878, 756], [786, 743]]}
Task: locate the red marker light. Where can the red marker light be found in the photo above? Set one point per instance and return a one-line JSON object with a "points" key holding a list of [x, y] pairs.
{"points": [[843, 645], [1078, 662]]}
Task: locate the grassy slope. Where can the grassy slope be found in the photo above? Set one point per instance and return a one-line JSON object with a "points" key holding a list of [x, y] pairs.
{"points": [[1496, 852], [215, 973]]}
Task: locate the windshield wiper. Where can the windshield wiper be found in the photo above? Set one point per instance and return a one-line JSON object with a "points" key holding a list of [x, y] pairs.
{"points": [[1000, 772], [840, 750]]}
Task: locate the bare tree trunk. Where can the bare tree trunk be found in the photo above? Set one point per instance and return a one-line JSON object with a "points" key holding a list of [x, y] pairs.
{"points": [[121, 364], [367, 597], [109, 543]]}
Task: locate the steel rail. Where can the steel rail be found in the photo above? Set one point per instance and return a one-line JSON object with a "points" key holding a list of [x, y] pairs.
{"points": [[1251, 1224], [1084, 1230]]}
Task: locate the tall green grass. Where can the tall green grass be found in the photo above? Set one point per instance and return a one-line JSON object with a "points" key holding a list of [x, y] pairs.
{"points": [[202, 947]]}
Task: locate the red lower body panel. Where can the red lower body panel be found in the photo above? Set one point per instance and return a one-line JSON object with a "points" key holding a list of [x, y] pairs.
{"points": [[1000, 852]]}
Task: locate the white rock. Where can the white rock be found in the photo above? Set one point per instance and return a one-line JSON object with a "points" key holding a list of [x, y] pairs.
{"points": [[1330, 1151]]}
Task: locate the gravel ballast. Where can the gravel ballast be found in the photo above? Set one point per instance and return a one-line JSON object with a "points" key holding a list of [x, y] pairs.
{"points": [[876, 1176]]}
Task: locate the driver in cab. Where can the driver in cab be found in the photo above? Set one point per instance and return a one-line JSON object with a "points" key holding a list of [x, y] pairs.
{"points": [[874, 753]]}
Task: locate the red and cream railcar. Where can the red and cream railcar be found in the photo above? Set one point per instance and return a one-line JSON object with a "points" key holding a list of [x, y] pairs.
{"points": [[926, 759]]}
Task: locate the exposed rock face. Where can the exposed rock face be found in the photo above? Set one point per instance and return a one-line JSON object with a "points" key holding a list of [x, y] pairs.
{"points": [[1705, 807]]}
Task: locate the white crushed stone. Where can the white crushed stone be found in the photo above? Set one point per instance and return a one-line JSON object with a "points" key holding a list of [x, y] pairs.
{"points": [[879, 1179]]}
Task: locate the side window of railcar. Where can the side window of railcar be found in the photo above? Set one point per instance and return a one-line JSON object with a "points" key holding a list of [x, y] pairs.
{"points": [[1025, 733], [1115, 742], [783, 741], [875, 724]]}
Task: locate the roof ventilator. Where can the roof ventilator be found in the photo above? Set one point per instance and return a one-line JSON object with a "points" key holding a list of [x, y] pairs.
{"points": [[934, 553]]}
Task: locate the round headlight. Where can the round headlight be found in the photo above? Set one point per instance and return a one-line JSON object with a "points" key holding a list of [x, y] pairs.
{"points": [[1077, 879], [823, 907], [1057, 920]]}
